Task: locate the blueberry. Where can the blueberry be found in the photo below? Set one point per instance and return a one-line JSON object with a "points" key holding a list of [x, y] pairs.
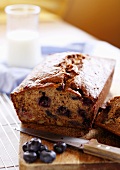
{"points": [[82, 113], [87, 122], [63, 111], [36, 140], [59, 147], [34, 144], [47, 156], [25, 147], [42, 147], [29, 156], [44, 101]]}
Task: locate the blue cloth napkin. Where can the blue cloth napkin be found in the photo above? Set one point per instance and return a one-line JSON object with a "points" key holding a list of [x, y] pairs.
{"points": [[11, 77]]}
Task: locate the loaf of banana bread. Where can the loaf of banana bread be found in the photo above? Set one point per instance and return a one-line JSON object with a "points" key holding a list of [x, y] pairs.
{"points": [[109, 116], [66, 89]]}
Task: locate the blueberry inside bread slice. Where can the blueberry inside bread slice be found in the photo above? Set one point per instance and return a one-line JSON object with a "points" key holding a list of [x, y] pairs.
{"points": [[109, 117]]}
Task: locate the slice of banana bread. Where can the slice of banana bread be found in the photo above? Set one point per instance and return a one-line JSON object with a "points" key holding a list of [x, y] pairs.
{"points": [[66, 89], [109, 117]]}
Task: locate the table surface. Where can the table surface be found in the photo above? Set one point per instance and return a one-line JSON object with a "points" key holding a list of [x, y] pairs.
{"points": [[54, 33]]}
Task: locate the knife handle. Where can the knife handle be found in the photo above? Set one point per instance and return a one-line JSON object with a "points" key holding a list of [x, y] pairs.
{"points": [[104, 151]]}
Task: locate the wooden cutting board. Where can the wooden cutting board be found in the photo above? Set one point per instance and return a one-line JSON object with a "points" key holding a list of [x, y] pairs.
{"points": [[71, 159]]}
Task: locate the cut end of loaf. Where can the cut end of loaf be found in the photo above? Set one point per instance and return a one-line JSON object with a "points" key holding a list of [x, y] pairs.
{"points": [[109, 117]]}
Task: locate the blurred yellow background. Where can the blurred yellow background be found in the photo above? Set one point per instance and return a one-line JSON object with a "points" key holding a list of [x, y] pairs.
{"points": [[100, 18], [50, 9]]}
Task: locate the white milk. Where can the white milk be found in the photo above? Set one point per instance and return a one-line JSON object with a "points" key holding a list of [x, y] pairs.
{"points": [[23, 48]]}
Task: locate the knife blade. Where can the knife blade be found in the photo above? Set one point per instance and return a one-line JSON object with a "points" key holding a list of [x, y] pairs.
{"points": [[92, 147]]}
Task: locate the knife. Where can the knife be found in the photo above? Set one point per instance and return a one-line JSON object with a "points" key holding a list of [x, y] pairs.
{"points": [[92, 147]]}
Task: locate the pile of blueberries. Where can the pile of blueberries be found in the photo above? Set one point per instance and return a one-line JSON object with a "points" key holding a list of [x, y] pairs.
{"points": [[34, 149]]}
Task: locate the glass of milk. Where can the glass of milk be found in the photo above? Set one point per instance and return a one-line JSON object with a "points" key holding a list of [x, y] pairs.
{"points": [[23, 47]]}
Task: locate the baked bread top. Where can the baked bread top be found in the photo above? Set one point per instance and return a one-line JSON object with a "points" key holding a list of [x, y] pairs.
{"points": [[71, 70]]}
